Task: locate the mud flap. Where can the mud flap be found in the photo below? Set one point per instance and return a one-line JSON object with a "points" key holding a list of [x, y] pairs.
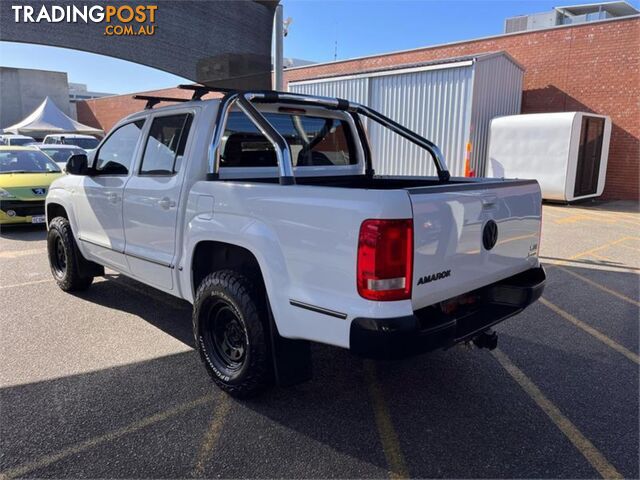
{"points": [[291, 358]]}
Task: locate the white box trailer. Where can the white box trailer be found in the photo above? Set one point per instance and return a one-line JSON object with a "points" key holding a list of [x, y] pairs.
{"points": [[565, 152]]}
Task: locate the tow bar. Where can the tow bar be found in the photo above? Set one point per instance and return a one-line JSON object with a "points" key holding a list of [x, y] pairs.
{"points": [[487, 339]]}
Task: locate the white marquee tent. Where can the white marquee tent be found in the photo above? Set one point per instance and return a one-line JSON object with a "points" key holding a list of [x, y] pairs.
{"points": [[48, 119]]}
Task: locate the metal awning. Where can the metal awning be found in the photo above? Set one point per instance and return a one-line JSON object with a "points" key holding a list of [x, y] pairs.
{"points": [[213, 42]]}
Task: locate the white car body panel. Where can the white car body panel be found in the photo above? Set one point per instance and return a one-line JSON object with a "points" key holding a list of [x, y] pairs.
{"points": [[304, 238]]}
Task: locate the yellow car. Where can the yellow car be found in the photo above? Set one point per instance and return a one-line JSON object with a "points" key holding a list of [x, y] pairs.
{"points": [[25, 176]]}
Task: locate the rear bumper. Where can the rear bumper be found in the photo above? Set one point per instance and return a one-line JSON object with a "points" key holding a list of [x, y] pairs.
{"points": [[429, 328]]}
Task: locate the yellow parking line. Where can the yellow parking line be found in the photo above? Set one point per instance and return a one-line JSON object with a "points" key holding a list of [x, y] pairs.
{"points": [[578, 217], [595, 249], [386, 431], [25, 284], [21, 253], [629, 247], [601, 287], [211, 436], [582, 443], [592, 331], [600, 256], [47, 460]]}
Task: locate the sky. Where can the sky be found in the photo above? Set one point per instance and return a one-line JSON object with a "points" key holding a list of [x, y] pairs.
{"points": [[319, 31]]}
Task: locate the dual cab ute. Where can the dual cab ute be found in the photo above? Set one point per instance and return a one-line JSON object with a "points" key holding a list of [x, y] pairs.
{"points": [[263, 210]]}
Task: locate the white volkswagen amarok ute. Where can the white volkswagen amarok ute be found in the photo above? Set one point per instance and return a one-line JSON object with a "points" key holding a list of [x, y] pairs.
{"points": [[263, 210]]}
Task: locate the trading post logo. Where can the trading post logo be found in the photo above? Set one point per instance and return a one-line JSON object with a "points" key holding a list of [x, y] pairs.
{"points": [[120, 20]]}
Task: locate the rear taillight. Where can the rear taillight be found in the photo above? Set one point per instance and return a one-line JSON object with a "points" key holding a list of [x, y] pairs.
{"points": [[385, 259]]}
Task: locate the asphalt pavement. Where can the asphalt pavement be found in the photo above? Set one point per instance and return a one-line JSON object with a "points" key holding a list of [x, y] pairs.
{"points": [[106, 384]]}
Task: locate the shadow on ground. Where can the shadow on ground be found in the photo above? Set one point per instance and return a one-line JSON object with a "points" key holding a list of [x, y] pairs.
{"points": [[26, 233], [457, 413]]}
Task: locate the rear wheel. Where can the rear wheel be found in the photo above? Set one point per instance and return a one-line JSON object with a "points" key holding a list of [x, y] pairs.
{"points": [[64, 257], [229, 322]]}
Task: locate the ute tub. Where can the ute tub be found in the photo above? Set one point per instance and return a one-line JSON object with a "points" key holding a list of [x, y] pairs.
{"points": [[429, 328]]}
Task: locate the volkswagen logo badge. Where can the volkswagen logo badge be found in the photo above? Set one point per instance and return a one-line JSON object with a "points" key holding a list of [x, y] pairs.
{"points": [[490, 235]]}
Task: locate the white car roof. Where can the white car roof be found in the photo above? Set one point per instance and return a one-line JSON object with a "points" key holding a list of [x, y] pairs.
{"points": [[70, 135], [58, 146]]}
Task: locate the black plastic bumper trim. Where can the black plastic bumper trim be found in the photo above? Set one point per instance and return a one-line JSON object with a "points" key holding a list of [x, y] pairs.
{"points": [[430, 329], [313, 308]]}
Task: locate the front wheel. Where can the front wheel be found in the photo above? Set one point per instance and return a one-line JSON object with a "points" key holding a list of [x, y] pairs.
{"points": [[229, 323], [64, 257]]}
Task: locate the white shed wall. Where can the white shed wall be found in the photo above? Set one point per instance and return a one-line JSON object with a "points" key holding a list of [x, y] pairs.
{"points": [[435, 104], [450, 104], [497, 91]]}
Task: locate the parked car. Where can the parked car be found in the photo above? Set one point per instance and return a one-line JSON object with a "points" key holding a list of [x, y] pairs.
{"points": [[263, 211], [86, 142], [60, 153], [15, 140], [25, 176]]}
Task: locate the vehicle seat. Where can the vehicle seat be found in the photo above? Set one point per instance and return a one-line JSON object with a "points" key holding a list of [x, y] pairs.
{"points": [[243, 150], [312, 158]]}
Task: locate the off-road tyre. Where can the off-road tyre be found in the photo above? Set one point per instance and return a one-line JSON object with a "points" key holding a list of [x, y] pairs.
{"points": [[65, 258], [231, 330]]}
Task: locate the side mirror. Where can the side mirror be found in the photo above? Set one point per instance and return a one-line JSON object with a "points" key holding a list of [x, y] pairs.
{"points": [[78, 164]]}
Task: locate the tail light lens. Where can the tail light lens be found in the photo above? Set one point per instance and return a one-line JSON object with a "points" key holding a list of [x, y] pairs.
{"points": [[385, 259]]}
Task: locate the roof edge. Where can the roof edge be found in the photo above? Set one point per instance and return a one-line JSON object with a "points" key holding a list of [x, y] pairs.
{"points": [[443, 63]]}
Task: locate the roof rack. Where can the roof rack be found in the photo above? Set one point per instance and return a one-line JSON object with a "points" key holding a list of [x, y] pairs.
{"points": [[200, 91], [153, 100]]}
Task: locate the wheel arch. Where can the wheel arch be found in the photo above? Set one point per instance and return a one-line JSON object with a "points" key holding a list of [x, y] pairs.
{"points": [[212, 255], [54, 210]]}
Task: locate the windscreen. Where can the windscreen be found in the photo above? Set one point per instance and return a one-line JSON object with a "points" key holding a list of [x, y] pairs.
{"points": [[86, 143], [26, 161], [21, 141], [61, 155]]}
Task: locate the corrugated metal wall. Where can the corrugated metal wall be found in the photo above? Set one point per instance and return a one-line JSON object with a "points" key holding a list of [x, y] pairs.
{"points": [[497, 91], [354, 89], [436, 104], [450, 106]]}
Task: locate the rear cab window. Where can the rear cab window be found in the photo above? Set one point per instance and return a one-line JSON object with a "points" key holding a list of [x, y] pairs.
{"points": [[318, 141], [165, 145]]}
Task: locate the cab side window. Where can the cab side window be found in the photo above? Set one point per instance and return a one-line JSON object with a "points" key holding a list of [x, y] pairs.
{"points": [[116, 153], [165, 145]]}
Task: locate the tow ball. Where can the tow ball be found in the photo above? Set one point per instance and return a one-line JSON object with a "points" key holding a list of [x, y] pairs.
{"points": [[487, 339]]}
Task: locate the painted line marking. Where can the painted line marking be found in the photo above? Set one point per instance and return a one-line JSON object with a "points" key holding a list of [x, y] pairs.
{"points": [[21, 253], [386, 431], [600, 215], [595, 249], [582, 443], [629, 247], [580, 217], [601, 287], [602, 257], [550, 263], [592, 331], [25, 284], [47, 460], [211, 436]]}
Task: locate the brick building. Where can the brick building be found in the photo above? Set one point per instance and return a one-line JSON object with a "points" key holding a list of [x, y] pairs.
{"points": [[592, 67]]}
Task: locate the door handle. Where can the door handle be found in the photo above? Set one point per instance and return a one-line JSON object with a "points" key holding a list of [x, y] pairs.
{"points": [[489, 202], [166, 203]]}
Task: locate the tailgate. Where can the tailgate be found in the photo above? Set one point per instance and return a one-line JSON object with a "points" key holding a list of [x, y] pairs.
{"points": [[469, 235]]}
